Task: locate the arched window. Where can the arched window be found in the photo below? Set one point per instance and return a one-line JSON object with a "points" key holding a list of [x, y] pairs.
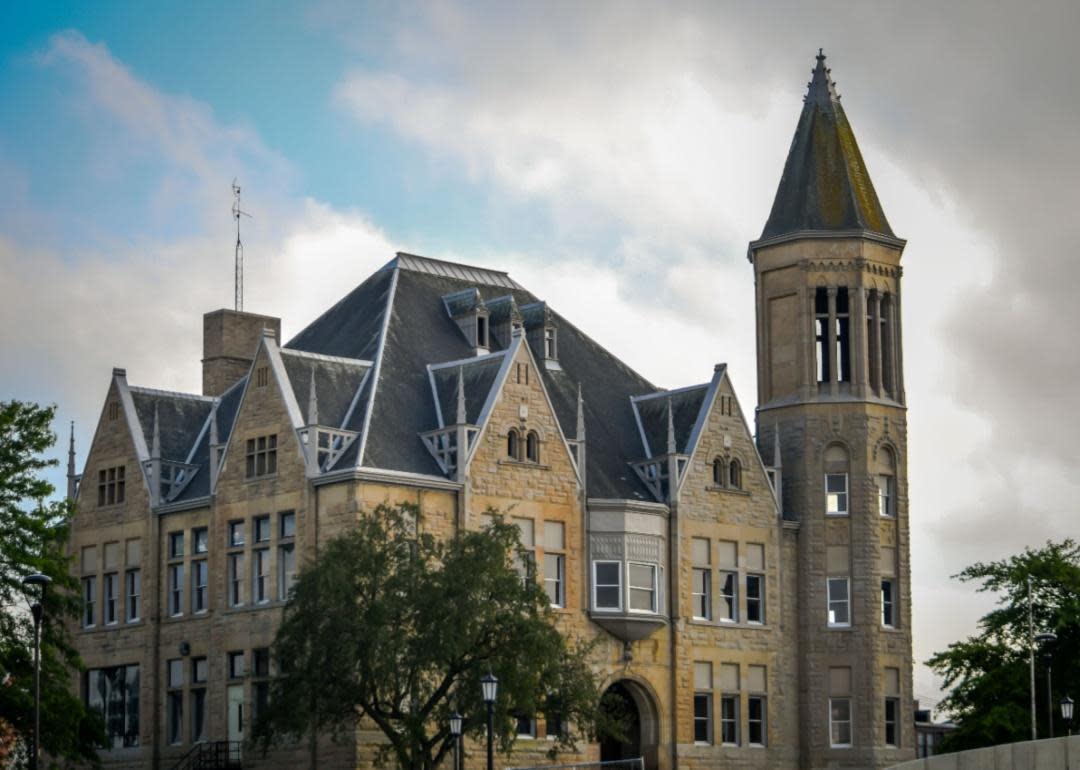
{"points": [[735, 475], [513, 445], [718, 472], [532, 447]]}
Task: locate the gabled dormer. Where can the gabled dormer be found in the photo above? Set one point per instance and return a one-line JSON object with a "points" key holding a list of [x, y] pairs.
{"points": [[666, 421], [542, 333], [504, 320], [469, 312]]}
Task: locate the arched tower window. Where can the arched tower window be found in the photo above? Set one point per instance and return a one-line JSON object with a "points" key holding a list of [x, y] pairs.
{"points": [[735, 475], [532, 447], [718, 472], [821, 334], [513, 444]]}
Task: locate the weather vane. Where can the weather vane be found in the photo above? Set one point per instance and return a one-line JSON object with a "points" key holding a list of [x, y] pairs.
{"points": [[239, 276]]}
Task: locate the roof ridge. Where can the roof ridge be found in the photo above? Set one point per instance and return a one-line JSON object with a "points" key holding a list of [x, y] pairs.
{"points": [[170, 393], [376, 369], [324, 357], [418, 263]]}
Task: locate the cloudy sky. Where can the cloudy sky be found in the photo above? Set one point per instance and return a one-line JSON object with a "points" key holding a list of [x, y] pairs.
{"points": [[615, 158]]}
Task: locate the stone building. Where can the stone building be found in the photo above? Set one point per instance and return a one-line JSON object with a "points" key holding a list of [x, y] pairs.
{"points": [[750, 595]]}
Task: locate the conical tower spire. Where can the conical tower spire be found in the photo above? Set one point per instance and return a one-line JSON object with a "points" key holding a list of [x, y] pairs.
{"points": [[71, 464], [825, 186]]}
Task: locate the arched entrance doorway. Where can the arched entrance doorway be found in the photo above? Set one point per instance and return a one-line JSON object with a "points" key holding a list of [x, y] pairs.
{"points": [[630, 704]]}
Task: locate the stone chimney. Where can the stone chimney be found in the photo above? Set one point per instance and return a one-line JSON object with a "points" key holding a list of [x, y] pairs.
{"points": [[230, 339]]}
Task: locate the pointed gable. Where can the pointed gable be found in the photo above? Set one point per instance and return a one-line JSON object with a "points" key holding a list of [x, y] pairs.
{"points": [[825, 185]]}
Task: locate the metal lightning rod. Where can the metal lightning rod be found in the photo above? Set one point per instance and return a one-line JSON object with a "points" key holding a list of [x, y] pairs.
{"points": [[239, 266]]}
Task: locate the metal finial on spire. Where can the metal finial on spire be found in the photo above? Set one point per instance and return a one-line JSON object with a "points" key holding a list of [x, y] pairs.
{"points": [[580, 415], [670, 429], [461, 395], [821, 89], [313, 402], [238, 286], [155, 447]]}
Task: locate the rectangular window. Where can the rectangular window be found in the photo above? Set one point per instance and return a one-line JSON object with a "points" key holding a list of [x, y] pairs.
{"points": [[729, 597], [839, 602], [198, 585], [755, 599], [112, 597], [836, 494], [892, 722], [174, 703], [111, 486], [198, 715], [526, 726], [176, 545], [199, 542], [236, 664], [885, 495], [840, 723], [700, 593], [236, 579], [114, 693], [642, 587], [134, 589], [236, 534], [607, 585], [554, 726], [821, 333], [756, 733], [260, 657], [262, 529], [555, 578], [286, 570], [89, 613], [888, 604], [703, 717], [261, 456], [261, 575], [286, 525], [199, 670], [729, 720], [262, 376], [176, 589]]}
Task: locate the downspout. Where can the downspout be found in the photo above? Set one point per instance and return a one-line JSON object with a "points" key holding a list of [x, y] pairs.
{"points": [[673, 582]]}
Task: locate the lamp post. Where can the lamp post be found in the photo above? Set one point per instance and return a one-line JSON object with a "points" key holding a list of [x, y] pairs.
{"points": [[1044, 640], [455, 731], [37, 610], [489, 688], [1067, 712]]}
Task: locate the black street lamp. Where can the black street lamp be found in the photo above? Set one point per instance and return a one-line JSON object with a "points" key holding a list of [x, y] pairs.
{"points": [[489, 688], [1048, 639], [455, 731], [37, 610], [1067, 712]]}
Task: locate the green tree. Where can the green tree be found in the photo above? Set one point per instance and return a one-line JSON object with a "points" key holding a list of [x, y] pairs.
{"points": [[33, 537], [399, 628], [987, 675]]}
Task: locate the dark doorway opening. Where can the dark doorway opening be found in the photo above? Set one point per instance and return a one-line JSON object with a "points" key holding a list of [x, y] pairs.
{"points": [[618, 703]]}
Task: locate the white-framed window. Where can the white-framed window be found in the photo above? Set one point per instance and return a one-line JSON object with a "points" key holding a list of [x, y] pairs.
{"points": [[892, 722], [701, 577], [755, 599], [286, 569], [112, 598], [199, 542], [199, 580], [888, 603], [839, 589], [89, 613], [840, 723], [607, 585], [261, 575], [756, 729], [236, 534], [885, 496], [836, 494], [176, 589], [262, 529], [729, 719], [134, 589], [236, 579], [642, 585], [555, 578], [703, 719], [729, 597], [525, 726]]}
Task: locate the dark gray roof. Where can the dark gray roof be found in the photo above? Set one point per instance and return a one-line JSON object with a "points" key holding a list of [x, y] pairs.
{"points": [[336, 381], [825, 185], [227, 407], [685, 405], [180, 417], [479, 378]]}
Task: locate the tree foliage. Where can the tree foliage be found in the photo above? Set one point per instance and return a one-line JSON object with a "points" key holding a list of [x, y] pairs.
{"points": [[398, 628], [987, 675], [33, 537]]}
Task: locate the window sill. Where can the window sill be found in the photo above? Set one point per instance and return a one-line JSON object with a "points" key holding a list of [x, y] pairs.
{"points": [[255, 479], [845, 627], [829, 515], [524, 464], [729, 490], [727, 624]]}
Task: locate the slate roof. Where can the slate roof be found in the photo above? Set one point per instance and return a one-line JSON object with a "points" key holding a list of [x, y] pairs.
{"points": [[386, 361], [825, 185]]}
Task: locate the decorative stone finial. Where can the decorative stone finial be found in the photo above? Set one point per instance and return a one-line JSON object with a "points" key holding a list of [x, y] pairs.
{"points": [[670, 428], [461, 395], [580, 415], [313, 402], [155, 451]]}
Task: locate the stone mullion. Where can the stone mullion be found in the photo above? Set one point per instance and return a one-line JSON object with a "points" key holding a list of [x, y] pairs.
{"points": [[834, 363], [879, 385]]}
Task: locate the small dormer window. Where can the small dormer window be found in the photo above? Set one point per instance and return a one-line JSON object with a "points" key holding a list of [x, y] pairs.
{"points": [[482, 331], [550, 346]]}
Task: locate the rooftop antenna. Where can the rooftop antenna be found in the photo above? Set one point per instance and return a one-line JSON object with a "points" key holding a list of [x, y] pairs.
{"points": [[239, 276]]}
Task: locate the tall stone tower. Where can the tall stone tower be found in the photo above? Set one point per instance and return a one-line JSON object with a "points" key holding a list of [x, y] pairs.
{"points": [[831, 393]]}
